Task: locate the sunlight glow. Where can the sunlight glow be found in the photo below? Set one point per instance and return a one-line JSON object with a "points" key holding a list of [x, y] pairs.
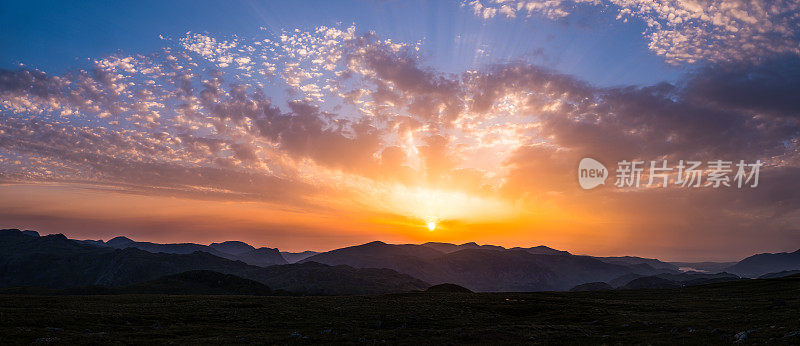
{"points": [[433, 205]]}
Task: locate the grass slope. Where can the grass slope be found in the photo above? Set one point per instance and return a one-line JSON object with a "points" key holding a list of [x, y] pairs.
{"points": [[707, 314]]}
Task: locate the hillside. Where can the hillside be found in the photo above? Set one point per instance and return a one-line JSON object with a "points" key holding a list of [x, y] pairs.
{"points": [[199, 282], [750, 312]]}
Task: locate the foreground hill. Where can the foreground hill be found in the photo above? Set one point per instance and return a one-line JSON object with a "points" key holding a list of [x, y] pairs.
{"points": [[780, 274], [676, 279], [749, 312], [197, 282], [57, 262]]}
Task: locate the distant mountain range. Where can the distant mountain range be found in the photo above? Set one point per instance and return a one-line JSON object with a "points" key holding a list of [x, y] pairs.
{"points": [[294, 257], [757, 265], [481, 268], [27, 259], [233, 250], [54, 261]]}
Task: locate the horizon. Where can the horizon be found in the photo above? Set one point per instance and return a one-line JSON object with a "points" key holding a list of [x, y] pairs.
{"points": [[319, 125], [508, 247]]}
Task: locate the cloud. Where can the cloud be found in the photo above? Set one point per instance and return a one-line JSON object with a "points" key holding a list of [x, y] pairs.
{"points": [[181, 122], [769, 88], [684, 31]]}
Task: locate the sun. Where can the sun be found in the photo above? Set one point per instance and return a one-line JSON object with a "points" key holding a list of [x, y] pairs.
{"points": [[431, 225], [431, 222]]}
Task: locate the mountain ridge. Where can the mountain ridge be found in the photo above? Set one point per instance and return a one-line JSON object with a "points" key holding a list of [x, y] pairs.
{"points": [[473, 266], [232, 250], [55, 261], [765, 263]]}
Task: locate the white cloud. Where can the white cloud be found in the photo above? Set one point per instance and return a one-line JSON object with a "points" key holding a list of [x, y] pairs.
{"points": [[687, 31]]}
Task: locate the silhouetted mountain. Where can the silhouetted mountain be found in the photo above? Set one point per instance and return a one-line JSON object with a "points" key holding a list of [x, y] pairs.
{"points": [[487, 270], [232, 250], [536, 250], [262, 257], [232, 247], [478, 269], [25, 232], [408, 259], [92, 242], [448, 248], [757, 265], [30, 233], [541, 250], [199, 282], [179, 248], [31, 260], [118, 242], [57, 262], [639, 264], [491, 270], [448, 288], [592, 286], [294, 257]]}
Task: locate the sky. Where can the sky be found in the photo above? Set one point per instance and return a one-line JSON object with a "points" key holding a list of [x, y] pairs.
{"points": [[313, 125]]}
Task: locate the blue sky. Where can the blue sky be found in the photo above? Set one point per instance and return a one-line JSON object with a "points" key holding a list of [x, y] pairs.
{"points": [[57, 36]]}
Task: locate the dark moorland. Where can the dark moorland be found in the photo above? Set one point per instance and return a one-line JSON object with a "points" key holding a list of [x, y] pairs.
{"points": [[748, 311]]}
